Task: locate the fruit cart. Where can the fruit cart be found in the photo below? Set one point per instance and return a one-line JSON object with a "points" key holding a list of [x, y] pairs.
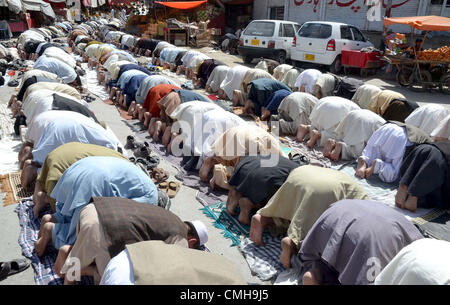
{"points": [[365, 61], [427, 69]]}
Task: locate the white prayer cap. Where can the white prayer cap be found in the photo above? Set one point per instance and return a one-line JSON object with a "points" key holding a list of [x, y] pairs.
{"points": [[201, 230]]}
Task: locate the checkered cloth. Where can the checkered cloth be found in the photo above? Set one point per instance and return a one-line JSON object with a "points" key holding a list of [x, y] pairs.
{"points": [[44, 274], [263, 261]]}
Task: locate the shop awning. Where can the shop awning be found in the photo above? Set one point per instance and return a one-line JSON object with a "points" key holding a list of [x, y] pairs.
{"points": [[424, 23], [182, 5]]}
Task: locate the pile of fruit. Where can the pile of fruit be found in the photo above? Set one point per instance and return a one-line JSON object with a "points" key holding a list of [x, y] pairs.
{"points": [[441, 54]]}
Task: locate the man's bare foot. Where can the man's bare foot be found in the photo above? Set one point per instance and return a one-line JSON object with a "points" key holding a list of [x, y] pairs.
{"points": [[265, 114], [12, 100], [370, 170], [212, 183], [245, 206], [328, 148], [26, 155], [118, 96], [235, 99], [400, 197], [147, 118], [222, 95], [152, 126], [63, 253], [314, 136], [336, 153], [361, 168], [310, 278], [167, 135], [158, 130], [411, 203], [289, 249], [46, 218], [112, 93], [233, 201], [171, 142], [302, 131], [206, 168], [132, 107], [258, 224], [249, 107], [40, 202], [141, 112], [46, 237], [28, 175]]}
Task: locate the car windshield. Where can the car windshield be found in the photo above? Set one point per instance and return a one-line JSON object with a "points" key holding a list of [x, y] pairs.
{"points": [[260, 28], [315, 30]]}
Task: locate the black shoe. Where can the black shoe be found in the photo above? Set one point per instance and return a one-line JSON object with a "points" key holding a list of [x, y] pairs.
{"points": [[130, 143], [192, 163], [142, 152]]}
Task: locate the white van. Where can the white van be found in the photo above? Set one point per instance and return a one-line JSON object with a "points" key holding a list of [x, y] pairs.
{"points": [[269, 39], [321, 42]]}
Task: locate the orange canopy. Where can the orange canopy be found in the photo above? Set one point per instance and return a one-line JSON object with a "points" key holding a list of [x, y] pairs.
{"points": [[182, 5], [424, 23]]}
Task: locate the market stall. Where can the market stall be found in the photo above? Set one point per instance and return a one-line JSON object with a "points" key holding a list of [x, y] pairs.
{"points": [[421, 69]]}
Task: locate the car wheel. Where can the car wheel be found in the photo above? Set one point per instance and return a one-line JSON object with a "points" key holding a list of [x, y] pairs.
{"points": [[336, 66], [247, 59], [281, 57]]}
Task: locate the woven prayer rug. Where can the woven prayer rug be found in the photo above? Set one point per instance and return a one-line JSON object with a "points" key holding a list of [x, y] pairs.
{"points": [[11, 185], [44, 273]]}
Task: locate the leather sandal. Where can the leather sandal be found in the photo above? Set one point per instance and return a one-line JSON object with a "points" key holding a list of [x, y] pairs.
{"points": [[13, 267]]}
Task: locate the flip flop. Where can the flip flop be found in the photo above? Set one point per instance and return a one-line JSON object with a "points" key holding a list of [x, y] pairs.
{"points": [[164, 186], [13, 267], [159, 175], [174, 187]]}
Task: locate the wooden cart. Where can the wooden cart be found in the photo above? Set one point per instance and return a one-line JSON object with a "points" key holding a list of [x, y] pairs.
{"points": [[421, 75]]}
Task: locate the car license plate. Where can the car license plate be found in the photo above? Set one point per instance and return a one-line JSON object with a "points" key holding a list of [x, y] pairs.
{"points": [[310, 57], [255, 42]]}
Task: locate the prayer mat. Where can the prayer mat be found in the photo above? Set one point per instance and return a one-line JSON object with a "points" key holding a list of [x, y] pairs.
{"points": [[11, 185], [44, 273], [225, 105], [435, 224], [263, 261], [378, 190], [229, 225], [315, 154], [205, 195]]}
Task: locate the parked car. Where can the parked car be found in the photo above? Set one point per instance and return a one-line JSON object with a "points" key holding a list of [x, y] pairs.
{"points": [[268, 38], [321, 43]]}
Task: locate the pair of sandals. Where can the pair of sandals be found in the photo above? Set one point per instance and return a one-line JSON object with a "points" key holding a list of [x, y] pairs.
{"points": [[89, 99], [148, 162], [13, 267], [300, 159], [159, 175], [171, 188]]}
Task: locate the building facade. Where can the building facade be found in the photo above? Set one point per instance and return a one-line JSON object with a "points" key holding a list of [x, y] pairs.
{"points": [[365, 14]]}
